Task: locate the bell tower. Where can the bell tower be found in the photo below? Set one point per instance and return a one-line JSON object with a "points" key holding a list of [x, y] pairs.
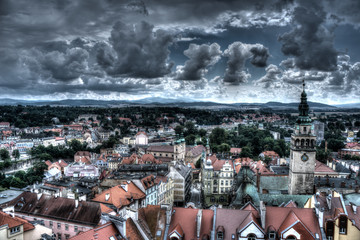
{"points": [[302, 151]]}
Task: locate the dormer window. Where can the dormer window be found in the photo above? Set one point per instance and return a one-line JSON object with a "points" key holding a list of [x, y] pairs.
{"points": [[219, 235], [272, 235], [14, 230], [343, 225], [251, 236]]}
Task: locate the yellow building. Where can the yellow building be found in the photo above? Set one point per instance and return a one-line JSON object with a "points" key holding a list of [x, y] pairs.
{"points": [[340, 222]]}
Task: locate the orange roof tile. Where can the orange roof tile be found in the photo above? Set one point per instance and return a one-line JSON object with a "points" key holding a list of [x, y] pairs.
{"points": [[14, 221], [119, 197], [103, 232]]}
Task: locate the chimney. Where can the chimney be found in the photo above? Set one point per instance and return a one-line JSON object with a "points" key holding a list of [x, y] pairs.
{"points": [[262, 214], [38, 195], [198, 223], [76, 203], [328, 201], [354, 207]]}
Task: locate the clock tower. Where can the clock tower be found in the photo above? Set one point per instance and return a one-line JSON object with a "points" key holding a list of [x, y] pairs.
{"points": [[302, 152]]}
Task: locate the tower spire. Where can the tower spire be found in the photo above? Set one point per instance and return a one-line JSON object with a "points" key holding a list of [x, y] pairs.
{"points": [[303, 107]]}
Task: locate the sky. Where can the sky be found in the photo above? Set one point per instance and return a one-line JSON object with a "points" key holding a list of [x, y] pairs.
{"points": [[203, 50]]}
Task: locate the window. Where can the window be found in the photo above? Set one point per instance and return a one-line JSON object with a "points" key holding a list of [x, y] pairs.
{"points": [[251, 236], [50, 223], [14, 230], [291, 238], [343, 224], [272, 235], [226, 182], [75, 228], [220, 236], [67, 236], [59, 236], [59, 225], [66, 227]]}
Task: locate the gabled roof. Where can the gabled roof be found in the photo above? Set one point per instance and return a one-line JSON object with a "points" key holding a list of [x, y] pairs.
{"points": [[249, 219], [303, 220], [292, 221], [102, 232], [120, 197], [228, 220]]}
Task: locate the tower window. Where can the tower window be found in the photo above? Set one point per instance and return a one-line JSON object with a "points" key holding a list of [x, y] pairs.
{"points": [[304, 129]]}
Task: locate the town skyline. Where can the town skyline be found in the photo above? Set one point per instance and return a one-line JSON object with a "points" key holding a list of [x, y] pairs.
{"points": [[228, 52]]}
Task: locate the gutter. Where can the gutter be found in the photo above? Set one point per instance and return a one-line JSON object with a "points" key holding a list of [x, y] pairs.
{"points": [[213, 228]]}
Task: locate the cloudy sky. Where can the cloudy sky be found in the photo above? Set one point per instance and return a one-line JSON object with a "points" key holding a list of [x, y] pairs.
{"points": [[224, 51]]}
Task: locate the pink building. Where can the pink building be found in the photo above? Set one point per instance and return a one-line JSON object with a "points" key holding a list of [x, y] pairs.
{"points": [[65, 216]]}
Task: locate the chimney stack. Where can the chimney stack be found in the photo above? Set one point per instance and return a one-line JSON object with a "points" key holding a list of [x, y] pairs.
{"points": [[262, 214], [198, 223]]}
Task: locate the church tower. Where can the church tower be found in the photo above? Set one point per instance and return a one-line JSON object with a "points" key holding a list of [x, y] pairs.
{"points": [[302, 152]]}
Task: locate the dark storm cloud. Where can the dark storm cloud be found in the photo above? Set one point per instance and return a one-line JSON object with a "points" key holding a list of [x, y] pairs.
{"points": [[140, 52], [237, 54], [310, 42], [200, 58]]}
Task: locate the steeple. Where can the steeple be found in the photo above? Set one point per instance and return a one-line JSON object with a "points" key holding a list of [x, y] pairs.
{"points": [[303, 108]]}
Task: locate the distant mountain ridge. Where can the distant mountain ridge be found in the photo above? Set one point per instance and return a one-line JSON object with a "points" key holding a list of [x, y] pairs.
{"points": [[156, 101]]}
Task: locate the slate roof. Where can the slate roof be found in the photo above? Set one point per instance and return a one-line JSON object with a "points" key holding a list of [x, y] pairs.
{"points": [[87, 213], [278, 199]]}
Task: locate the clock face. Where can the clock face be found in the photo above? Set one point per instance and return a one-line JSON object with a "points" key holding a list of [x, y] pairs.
{"points": [[304, 157]]}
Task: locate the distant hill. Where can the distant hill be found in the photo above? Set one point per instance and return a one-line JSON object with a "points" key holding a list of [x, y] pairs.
{"points": [[349, 105], [163, 102]]}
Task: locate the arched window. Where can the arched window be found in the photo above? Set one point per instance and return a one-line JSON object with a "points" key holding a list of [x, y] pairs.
{"points": [[251, 236], [297, 142], [307, 142], [291, 238], [302, 142]]}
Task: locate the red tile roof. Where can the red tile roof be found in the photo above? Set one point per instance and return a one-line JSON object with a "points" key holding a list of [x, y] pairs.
{"points": [[119, 197], [235, 150], [186, 218], [280, 218], [148, 182], [161, 148], [321, 167], [14, 221], [151, 219], [132, 232], [103, 232]]}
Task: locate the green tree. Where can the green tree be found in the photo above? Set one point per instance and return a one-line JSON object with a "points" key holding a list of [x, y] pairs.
{"points": [[16, 154], [322, 155], [246, 152], [4, 154], [267, 160], [179, 129], [202, 133], [223, 148], [190, 139], [335, 144], [17, 183]]}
